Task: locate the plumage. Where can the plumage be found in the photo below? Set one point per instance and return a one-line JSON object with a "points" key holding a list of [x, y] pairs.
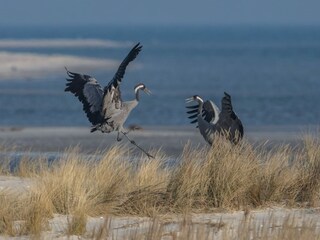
{"points": [[212, 121], [104, 106], [208, 112], [113, 88], [194, 121], [192, 107], [193, 116], [192, 111], [89, 92]]}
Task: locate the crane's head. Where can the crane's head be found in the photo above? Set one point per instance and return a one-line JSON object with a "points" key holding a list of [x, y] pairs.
{"points": [[142, 87], [194, 98]]}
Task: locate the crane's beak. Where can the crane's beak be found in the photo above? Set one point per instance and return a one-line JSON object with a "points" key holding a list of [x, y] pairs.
{"points": [[147, 91], [189, 100]]}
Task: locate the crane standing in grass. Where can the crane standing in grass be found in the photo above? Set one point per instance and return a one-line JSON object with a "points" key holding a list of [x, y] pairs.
{"points": [[212, 121], [104, 107]]}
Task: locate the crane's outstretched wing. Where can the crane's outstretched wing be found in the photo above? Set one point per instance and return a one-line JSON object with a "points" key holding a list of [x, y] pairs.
{"points": [[89, 92], [211, 111], [208, 112], [226, 106], [112, 95], [229, 119], [122, 68], [194, 112]]}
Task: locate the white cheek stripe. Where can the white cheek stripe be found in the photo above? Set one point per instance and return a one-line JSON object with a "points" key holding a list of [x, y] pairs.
{"points": [[200, 99], [138, 87]]}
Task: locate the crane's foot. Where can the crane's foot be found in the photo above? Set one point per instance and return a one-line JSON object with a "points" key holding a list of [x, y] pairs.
{"points": [[119, 138]]}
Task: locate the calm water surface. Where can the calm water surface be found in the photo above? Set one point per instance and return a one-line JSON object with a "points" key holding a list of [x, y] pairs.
{"points": [[273, 74]]}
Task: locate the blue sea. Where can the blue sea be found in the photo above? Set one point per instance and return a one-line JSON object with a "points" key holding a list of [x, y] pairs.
{"points": [[272, 74]]}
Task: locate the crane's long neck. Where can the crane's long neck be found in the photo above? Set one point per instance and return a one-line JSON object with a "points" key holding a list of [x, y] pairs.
{"points": [[137, 91], [137, 94], [200, 107], [200, 101]]}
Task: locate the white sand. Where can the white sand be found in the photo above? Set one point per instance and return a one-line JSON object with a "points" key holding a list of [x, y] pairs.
{"points": [[62, 43], [30, 66], [22, 66], [124, 227], [14, 183]]}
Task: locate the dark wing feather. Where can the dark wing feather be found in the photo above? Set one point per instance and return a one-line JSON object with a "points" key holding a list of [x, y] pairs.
{"points": [[193, 111], [113, 85], [89, 92], [193, 107], [122, 68], [194, 121], [193, 116], [207, 112], [229, 120], [226, 106]]}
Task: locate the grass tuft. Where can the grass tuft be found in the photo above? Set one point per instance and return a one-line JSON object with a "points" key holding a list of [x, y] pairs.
{"points": [[225, 176]]}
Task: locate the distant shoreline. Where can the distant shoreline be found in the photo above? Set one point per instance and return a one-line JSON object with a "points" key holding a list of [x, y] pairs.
{"points": [[171, 139], [20, 65]]}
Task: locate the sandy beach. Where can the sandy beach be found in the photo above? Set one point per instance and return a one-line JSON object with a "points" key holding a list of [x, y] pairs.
{"points": [[212, 226]]}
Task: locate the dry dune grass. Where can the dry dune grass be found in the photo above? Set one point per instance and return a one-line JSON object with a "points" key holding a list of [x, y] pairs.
{"points": [[222, 177], [218, 178]]}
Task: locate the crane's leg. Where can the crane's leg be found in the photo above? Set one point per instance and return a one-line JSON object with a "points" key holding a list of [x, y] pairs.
{"points": [[118, 137], [134, 143], [124, 133]]}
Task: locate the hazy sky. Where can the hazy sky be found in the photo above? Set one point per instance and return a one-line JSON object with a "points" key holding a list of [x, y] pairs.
{"points": [[124, 12]]}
